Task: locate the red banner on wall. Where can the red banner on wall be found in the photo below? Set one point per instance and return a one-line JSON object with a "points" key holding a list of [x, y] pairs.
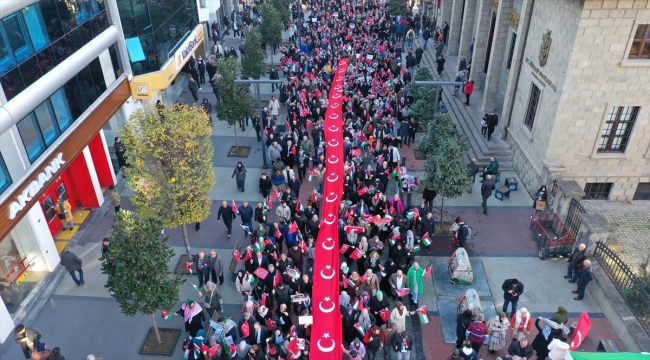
{"points": [[326, 338]]}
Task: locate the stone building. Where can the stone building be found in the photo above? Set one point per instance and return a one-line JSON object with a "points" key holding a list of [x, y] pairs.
{"points": [[570, 80]]}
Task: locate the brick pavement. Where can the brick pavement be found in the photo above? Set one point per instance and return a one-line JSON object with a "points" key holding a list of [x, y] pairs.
{"points": [[630, 222]]}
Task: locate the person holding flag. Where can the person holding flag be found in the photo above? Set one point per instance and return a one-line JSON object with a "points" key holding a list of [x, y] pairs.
{"points": [[246, 213], [228, 215], [192, 315], [415, 275]]}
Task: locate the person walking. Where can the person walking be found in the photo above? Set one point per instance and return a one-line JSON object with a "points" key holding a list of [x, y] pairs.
{"points": [[202, 267], [193, 316], [27, 339], [239, 173], [540, 199], [194, 89], [469, 88], [459, 78], [246, 213], [273, 75], [462, 232], [212, 300], [473, 170], [492, 122], [116, 200], [64, 211], [575, 263], [215, 264], [426, 35], [72, 264], [512, 290], [228, 215], [484, 125], [274, 107], [463, 320], [415, 275], [477, 332], [584, 278], [410, 35], [486, 191], [440, 64], [403, 345]]}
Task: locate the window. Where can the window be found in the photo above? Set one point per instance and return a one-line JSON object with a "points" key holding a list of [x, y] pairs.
{"points": [[61, 109], [597, 190], [5, 179], [6, 60], [35, 26], [511, 53], [641, 44], [19, 43], [618, 129], [531, 110], [45, 117], [32, 138]]}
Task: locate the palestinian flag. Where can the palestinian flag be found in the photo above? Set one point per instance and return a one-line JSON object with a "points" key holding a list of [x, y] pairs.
{"points": [[299, 206], [246, 228], [355, 306], [257, 247], [275, 195], [416, 248], [235, 255], [413, 215], [423, 314], [198, 288], [188, 267], [293, 227], [425, 239], [392, 241], [234, 206], [197, 351], [345, 282], [360, 329], [166, 315], [361, 305]]}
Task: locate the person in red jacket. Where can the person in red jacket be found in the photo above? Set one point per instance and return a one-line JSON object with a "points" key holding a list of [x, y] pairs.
{"points": [[477, 332], [469, 88]]}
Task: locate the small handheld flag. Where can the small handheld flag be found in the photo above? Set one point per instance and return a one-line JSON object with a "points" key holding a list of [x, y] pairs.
{"points": [[198, 288], [188, 267], [166, 315], [423, 314], [233, 206]]}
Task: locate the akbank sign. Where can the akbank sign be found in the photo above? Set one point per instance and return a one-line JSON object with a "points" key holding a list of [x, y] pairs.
{"points": [[188, 47], [31, 190]]}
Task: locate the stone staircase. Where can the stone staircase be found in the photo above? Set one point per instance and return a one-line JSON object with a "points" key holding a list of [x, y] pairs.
{"points": [[467, 119]]}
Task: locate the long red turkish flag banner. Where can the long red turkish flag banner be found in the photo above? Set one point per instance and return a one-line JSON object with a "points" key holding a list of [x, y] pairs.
{"points": [[327, 330]]}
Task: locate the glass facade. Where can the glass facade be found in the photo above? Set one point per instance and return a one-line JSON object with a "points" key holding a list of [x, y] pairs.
{"points": [[161, 26], [5, 178], [46, 123], [34, 40]]}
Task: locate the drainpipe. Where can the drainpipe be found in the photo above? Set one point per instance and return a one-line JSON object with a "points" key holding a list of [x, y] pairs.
{"points": [[520, 60]]}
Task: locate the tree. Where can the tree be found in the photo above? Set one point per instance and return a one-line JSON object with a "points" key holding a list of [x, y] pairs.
{"points": [[445, 149], [282, 7], [253, 64], [395, 7], [236, 102], [138, 267], [424, 97], [271, 26], [171, 167]]}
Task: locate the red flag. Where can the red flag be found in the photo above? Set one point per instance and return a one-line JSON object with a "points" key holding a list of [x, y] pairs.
{"points": [[384, 315], [275, 195], [263, 300], [275, 255], [270, 202], [293, 347], [356, 229], [345, 282], [268, 242], [277, 278], [293, 227], [277, 234], [245, 329], [344, 248], [292, 331], [363, 278], [303, 246], [428, 269], [361, 305], [581, 331], [298, 206], [248, 255], [234, 206], [204, 347], [261, 273], [188, 267], [356, 254], [235, 255]]}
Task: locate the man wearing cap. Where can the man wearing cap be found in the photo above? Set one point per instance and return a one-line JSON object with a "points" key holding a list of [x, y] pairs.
{"points": [[512, 290]]}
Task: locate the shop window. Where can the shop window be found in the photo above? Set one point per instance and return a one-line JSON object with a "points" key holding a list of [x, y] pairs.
{"points": [[618, 129], [14, 28], [35, 26], [31, 136], [640, 48], [531, 109], [5, 178], [597, 190]]}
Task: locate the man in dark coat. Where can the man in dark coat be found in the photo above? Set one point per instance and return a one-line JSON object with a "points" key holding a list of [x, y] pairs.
{"points": [[445, 31], [27, 339], [428, 224], [72, 263], [273, 75], [251, 322], [440, 64], [512, 290], [585, 278], [200, 66], [202, 267], [520, 350], [228, 216], [246, 213], [120, 150], [486, 191], [575, 263], [492, 122], [474, 169]]}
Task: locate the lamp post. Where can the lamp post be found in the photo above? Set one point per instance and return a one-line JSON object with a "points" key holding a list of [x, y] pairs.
{"points": [[259, 107]]}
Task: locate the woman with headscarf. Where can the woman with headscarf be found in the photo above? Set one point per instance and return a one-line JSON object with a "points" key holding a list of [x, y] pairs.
{"points": [[415, 275], [363, 246], [377, 304], [521, 324], [197, 340], [243, 285], [258, 291], [462, 322], [409, 241], [212, 301], [358, 346], [239, 173], [365, 299], [344, 271], [401, 255], [497, 326], [348, 316], [398, 316], [192, 315], [365, 319], [546, 334], [242, 351], [390, 267], [256, 353]]}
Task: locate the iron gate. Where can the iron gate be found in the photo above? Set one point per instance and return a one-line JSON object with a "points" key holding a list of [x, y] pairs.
{"points": [[573, 218]]}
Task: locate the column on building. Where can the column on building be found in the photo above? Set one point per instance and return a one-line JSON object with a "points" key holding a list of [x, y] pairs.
{"points": [[467, 34], [484, 12], [455, 27], [445, 13], [498, 55], [525, 13]]}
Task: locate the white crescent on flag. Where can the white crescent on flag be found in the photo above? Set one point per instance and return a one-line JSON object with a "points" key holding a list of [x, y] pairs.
{"points": [[335, 178], [326, 349], [329, 239], [327, 198], [333, 128], [327, 310], [327, 267], [330, 222], [335, 144], [332, 159]]}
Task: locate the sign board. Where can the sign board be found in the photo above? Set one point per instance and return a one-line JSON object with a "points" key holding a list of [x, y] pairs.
{"points": [[21, 278], [31, 190], [141, 90]]}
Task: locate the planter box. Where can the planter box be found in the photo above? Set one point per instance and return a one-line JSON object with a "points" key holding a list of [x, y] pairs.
{"points": [[169, 337]]}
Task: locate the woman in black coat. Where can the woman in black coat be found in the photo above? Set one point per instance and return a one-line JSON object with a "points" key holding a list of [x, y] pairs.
{"points": [[349, 333], [377, 305], [540, 195], [193, 316], [390, 267], [462, 322]]}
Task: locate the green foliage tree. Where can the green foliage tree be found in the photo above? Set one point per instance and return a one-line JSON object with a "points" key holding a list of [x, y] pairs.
{"points": [[445, 149], [395, 7], [253, 64], [424, 97], [236, 102], [138, 267], [282, 7], [171, 167], [271, 26]]}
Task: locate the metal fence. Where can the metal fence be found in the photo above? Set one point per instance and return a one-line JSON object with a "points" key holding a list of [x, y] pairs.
{"points": [[633, 289]]}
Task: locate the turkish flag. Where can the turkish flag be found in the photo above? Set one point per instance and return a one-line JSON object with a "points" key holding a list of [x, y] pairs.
{"points": [[233, 206], [384, 315], [261, 273], [345, 282], [344, 248], [245, 329], [356, 254], [579, 335], [363, 278], [263, 300], [277, 234], [235, 255], [356, 229], [277, 278], [293, 227], [293, 347]]}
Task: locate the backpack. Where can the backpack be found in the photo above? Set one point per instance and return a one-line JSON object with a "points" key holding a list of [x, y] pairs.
{"points": [[469, 231]]}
